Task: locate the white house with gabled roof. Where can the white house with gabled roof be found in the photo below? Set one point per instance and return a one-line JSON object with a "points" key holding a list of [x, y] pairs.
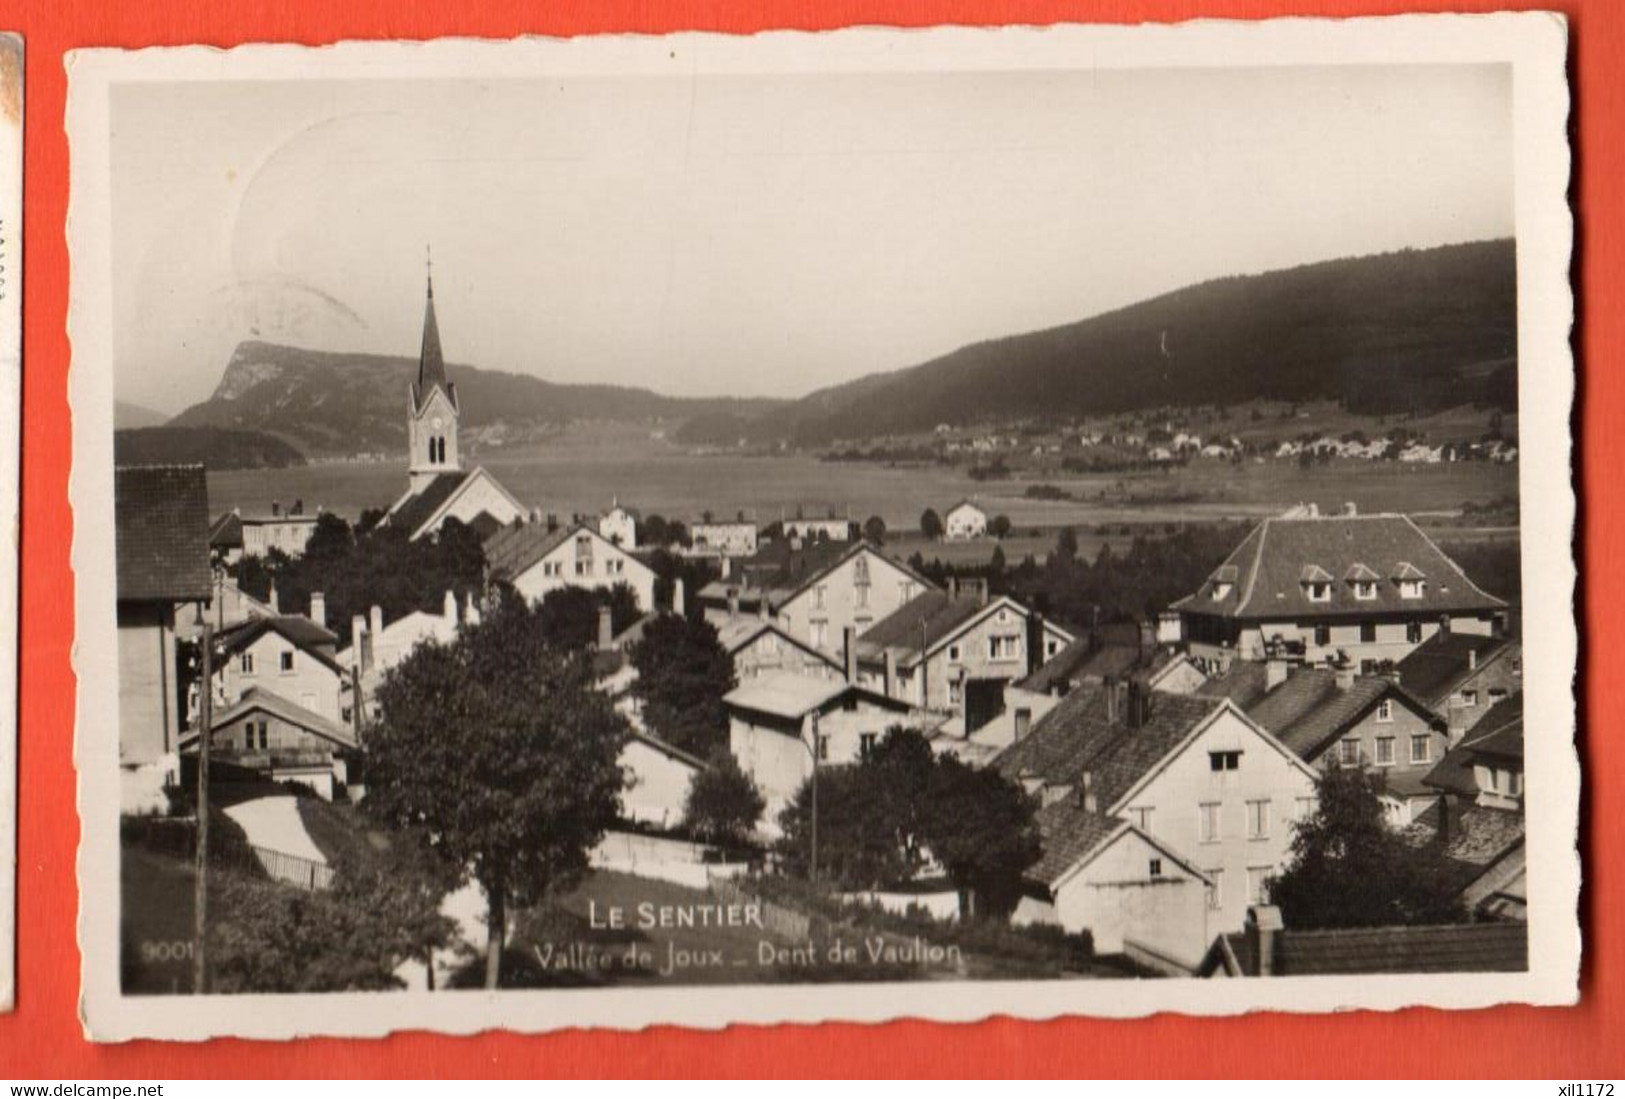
{"points": [[963, 522]]}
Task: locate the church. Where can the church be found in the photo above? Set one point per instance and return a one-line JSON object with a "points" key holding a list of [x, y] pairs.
{"points": [[438, 488]]}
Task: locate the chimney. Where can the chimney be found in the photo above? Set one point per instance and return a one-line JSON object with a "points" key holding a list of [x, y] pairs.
{"points": [[318, 609], [606, 630], [1344, 675], [733, 604], [276, 608], [358, 626], [471, 610], [448, 607], [677, 607], [764, 608], [1264, 924], [1024, 722], [1444, 625], [535, 515], [377, 623], [849, 653], [276, 508], [1111, 700], [1472, 659], [1136, 704], [1035, 642], [889, 674], [953, 587], [552, 522], [727, 566], [1275, 673], [1086, 793], [1350, 509]]}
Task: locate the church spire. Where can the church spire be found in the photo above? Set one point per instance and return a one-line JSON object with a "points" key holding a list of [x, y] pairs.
{"points": [[431, 362]]}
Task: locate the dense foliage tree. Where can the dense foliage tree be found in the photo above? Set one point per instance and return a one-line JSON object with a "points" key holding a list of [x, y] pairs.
{"points": [[694, 572], [874, 529], [931, 524], [499, 750], [683, 674], [999, 526], [568, 617], [1349, 869], [723, 805], [979, 826]]}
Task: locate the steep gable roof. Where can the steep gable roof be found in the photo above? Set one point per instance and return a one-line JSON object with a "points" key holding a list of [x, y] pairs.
{"points": [[299, 631], [262, 700], [794, 696], [932, 619], [1244, 683], [515, 549], [1076, 736], [431, 361], [735, 634], [1436, 667], [1309, 711], [417, 508], [1498, 733], [226, 532], [1282, 556], [1071, 835], [161, 533]]}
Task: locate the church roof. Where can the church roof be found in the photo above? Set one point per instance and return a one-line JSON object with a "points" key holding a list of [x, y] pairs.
{"points": [[431, 361], [412, 512]]}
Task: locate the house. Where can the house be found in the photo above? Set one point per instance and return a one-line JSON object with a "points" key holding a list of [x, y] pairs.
{"points": [[537, 558], [1362, 588], [710, 539], [161, 552], [815, 591], [1479, 824], [963, 522], [1327, 715], [1195, 777], [760, 646], [1267, 948], [1115, 651], [265, 735], [1463, 676], [374, 647], [658, 777], [226, 538], [285, 531], [778, 722], [438, 488], [289, 655], [620, 526], [817, 530], [953, 652]]}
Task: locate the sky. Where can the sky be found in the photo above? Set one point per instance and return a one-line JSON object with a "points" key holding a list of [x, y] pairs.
{"points": [[757, 235]]}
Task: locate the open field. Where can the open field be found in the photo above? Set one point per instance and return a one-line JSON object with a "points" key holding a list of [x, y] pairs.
{"points": [[584, 470]]}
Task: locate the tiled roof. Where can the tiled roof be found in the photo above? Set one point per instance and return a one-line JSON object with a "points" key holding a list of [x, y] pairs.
{"points": [[261, 700], [1499, 733], [1068, 833], [934, 613], [1118, 654], [515, 548], [1243, 683], [781, 571], [1076, 736], [417, 509], [786, 695], [1309, 710], [1447, 948], [1277, 559], [739, 632], [1438, 665], [297, 629], [227, 531], [161, 532]]}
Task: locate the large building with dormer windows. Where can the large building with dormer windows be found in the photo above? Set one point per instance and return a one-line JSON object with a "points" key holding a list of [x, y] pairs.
{"points": [[1351, 589], [438, 488]]}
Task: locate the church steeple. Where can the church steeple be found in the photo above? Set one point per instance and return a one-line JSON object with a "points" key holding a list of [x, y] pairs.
{"points": [[432, 412]]}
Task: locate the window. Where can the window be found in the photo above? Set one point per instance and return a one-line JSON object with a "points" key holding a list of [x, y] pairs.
{"points": [[552, 568], [1323, 634], [1003, 648], [1305, 808], [861, 593], [1209, 822], [1258, 890], [1141, 817], [1155, 868], [823, 748], [1221, 590], [1224, 761], [954, 653], [245, 663], [956, 692], [1385, 751], [1051, 647], [1368, 632], [1421, 748], [248, 735], [1385, 710], [818, 597], [286, 662], [1348, 752], [265, 735], [1413, 632], [1365, 589], [1215, 891], [1319, 591], [866, 744], [584, 567], [1258, 819], [1412, 589], [819, 630], [1469, 698]]}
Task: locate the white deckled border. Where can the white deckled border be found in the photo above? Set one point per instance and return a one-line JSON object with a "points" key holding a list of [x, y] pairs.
{"points": [[1534, 44]]}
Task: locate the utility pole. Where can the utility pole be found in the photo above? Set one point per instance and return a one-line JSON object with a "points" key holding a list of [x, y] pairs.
{"points": [[814, 751], [200, 963]]}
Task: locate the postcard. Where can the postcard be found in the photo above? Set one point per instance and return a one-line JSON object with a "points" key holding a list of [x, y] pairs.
{"points": [[703, 529]]}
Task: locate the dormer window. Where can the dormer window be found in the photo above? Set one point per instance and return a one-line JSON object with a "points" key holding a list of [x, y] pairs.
{"points": [[1412, 581], [1222, 590], [1363, 580], [1317, 584]]}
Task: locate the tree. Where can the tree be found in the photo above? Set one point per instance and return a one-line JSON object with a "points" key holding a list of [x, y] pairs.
{"points": [[931, 524], [497, 749], [683, 673], [1066, 545], [874, 529], [1000, 526], [979, 826], [568, 617], [723, 805], [1349, 869]]}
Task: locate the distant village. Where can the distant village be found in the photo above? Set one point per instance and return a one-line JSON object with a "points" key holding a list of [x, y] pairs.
{"points": [[1168, 761]]}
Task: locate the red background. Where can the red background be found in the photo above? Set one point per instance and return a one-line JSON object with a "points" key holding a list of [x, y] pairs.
{"points": [[43, 1038]]}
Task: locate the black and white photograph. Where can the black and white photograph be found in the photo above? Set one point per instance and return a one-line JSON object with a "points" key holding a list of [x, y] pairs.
{"points": [[842, 526]]}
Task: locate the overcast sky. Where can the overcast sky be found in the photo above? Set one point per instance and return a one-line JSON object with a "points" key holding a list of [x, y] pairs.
{"points": [[757, 235]]}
